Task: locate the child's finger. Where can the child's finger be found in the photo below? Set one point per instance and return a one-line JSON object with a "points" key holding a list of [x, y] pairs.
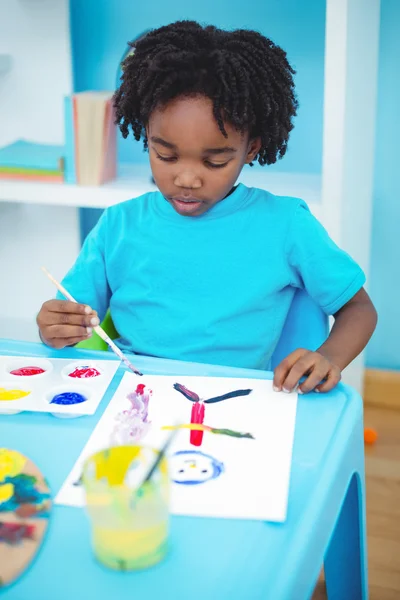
{"points": [[283, 369], [302, 367], [54, 332], [60, 343], [333, 378], [54, 318], [318, 374], [74, 340], [66, 306]]}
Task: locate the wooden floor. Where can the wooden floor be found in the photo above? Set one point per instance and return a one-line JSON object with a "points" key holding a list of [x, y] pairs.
{"points": [[383, 507]]}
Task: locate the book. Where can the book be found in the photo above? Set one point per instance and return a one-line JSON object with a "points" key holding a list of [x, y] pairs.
{"points": [[26, 154], [31, 161], [95, 138], [69, 137]]}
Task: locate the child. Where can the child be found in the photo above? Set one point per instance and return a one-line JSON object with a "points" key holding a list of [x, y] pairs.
{"points": [[203, 269]]}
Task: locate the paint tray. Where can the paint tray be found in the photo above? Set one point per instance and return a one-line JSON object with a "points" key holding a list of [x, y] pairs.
{"points": [[45, 385]]}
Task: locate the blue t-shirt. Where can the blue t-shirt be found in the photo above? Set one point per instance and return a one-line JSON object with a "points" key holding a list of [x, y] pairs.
{"points": [[215, 288]]}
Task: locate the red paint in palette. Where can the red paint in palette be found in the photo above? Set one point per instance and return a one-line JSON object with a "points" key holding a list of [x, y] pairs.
{"points": [[27, 371], [84, 373]]}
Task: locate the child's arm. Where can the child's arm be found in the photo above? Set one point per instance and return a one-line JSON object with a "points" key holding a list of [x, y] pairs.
{"points": [[354, 325]]}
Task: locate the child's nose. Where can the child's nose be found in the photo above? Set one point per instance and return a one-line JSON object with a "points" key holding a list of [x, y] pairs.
{"points": [[188, 179]]}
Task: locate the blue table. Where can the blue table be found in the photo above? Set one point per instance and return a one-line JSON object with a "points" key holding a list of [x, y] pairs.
{"points": [[210, 558]]}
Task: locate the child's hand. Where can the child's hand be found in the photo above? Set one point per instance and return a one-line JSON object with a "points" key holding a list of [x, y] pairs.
{"points": [[62, 323], [321, 375]]}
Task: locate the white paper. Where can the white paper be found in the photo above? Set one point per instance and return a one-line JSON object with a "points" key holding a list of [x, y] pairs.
{"points": [[55, 380], [254, 481]]}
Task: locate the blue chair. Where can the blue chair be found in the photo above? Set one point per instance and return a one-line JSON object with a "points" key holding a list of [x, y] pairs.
{"points": [[306, 327], [218, 558]]}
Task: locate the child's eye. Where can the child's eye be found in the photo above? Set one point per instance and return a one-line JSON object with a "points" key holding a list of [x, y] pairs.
{"points": [[216, 165], [166, 158]]}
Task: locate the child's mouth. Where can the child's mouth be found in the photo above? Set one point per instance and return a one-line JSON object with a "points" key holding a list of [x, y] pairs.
{"points": [[186, 206]]}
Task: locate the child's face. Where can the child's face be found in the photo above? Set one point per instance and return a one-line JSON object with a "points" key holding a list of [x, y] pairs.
{"points": [[193, 164]]}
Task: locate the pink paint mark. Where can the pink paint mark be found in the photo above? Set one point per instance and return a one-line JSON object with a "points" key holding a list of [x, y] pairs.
{"points": [[131, 425], [27, 371], [84, 373], [14, 533], [197, 417]]}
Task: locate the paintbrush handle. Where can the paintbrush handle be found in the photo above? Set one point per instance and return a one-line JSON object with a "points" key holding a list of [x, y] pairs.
{"points": [[58, 285], [100, 332], [159, 458]]}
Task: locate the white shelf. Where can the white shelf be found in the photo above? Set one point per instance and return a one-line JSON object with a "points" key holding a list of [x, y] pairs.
{"points": [[135, 180]]}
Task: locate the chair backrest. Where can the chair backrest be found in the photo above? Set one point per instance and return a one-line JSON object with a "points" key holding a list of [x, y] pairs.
{"points": [[306, 326]]}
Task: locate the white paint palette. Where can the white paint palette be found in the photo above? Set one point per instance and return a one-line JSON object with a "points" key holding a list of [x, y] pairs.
{"points": [[63, 387]]}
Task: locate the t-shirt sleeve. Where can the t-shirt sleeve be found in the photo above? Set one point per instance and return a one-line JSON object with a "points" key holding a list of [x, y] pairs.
{"points": [[87, 279], [328, 274]]}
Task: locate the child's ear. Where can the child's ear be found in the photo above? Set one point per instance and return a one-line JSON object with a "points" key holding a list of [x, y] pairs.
{"points": [[253, 149]]}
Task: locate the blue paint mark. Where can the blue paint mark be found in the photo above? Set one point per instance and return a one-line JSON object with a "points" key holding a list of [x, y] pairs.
{"points": [[68, 398], [26, 493], [192, 467]]}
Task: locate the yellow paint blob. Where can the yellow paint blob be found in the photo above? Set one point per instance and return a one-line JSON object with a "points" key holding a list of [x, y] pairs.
{"points": [[6, 492], [12, 394], [11, 463]]}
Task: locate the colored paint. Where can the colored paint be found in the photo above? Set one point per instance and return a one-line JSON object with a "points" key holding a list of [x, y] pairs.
{"points": [[27, 371], [193, 467], [68, 398], [6, 395], [14, 533], [84, 372], [131, 425], [197, 416], [198, 410], [234, 394], [192, 396], [20, 492], [198, 427]]}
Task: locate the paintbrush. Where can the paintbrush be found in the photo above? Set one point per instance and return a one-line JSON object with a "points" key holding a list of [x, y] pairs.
{"points": [[159, 458], [100, 332]]}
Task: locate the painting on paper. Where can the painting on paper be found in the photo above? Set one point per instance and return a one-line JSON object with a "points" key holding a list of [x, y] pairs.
{"points": [[231, 456]]}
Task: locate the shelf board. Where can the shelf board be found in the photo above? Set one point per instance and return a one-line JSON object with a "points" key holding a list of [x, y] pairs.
{"points": [[135, 180]]}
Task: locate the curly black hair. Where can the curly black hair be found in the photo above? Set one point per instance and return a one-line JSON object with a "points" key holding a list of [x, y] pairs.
{"points": [[247, 77]]}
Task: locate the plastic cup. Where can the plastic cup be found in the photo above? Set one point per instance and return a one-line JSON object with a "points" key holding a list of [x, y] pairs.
{"points": [[129, 521]]}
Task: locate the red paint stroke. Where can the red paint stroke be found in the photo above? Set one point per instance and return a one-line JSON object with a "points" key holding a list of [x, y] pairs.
{"points": [[140, 388], [13, 533], [84, 373], [27, 371], [197, 416]]}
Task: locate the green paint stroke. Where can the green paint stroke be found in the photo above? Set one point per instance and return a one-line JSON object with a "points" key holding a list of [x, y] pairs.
{"points": [[232, 433]]}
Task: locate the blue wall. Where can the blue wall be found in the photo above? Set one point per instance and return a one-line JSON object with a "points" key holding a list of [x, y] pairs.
{"points": [[384, 350], [298, 27], [101, 29]]}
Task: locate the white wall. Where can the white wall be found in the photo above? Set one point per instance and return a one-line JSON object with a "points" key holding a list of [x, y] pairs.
{"points": [[36, 35]]}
